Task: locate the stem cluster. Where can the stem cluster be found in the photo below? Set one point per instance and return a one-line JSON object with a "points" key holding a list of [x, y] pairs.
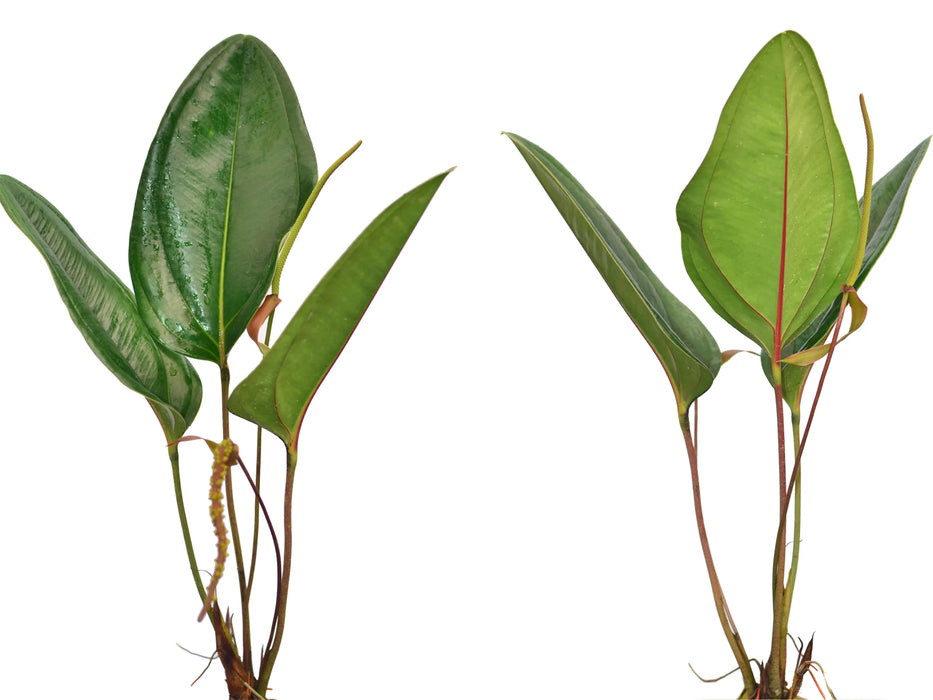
{"points": [[772, 682], [244, 681]]}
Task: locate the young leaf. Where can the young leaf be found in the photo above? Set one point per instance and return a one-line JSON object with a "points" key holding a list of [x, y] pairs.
{"points": [[227, 173], [276, 394], [105, 312], [887, 203], [687, 351], [770, 221]]}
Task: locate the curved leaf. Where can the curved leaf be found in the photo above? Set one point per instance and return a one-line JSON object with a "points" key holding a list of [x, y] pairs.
{"points": [[687, 351], [770, 221], [276, 394], [887, 203], [226, 175], [105, 312]]}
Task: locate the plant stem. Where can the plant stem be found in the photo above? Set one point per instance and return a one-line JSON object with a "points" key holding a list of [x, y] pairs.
{"points": [[275, 541], [183, 519], [252, 565], [278, 618], [231, 514], [778, 659], [255, 548], [265, 671], [792, 572], [225, 399], [800, 443], [220, 629], [722, 609]]}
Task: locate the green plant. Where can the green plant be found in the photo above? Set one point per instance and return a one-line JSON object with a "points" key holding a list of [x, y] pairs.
{"points": [[228, 182], [776, 241]]}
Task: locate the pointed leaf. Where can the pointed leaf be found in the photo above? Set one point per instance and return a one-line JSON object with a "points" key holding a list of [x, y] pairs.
{"points": [[770, 220], [227, 173], [105, 312], [687, 351], [276, 394], [887, 202]]}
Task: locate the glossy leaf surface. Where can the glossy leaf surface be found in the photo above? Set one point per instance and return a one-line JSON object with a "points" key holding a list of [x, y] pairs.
{"points": [[770, 221], [227, 173], [277, 393], [105, 312], [887, 202], [687, 351]]}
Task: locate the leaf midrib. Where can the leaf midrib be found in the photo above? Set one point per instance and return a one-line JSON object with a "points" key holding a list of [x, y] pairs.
{"points": [[221, 319], [779, 315]]}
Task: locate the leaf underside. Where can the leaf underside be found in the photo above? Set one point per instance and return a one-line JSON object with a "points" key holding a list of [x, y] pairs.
{"points": [[687, 351], [887, 202], [770, 221]]}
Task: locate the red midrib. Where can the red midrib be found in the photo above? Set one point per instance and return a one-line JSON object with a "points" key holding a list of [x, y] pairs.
{"points": [[776, 354]]}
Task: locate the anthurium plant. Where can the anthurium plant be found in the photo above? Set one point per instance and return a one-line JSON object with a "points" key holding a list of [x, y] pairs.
{"points": [[775, 238], [228, 182]]}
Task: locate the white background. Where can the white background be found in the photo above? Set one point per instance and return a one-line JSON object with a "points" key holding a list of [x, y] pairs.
{"points": [[493, 500]]}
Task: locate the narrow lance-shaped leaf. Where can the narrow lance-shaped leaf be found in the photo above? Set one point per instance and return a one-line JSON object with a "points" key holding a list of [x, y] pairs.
{"points": [[227, 173], [770, 221], [887, 202], [277, 393], [105, 312], [687, 351]]}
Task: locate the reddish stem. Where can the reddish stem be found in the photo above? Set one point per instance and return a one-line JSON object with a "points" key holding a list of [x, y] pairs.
{"points": [[722, 609]]}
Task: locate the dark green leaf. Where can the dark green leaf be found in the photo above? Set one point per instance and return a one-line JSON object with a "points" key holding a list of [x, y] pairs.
{"points": [[227, 173], [687, 351], [277, 393], [105, 312]]}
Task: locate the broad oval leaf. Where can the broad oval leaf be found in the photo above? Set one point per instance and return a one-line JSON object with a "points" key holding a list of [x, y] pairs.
{"points": [[687, 351], [103, 309], [226, 175], [277, 393], [887, 203], [770, 221]]}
